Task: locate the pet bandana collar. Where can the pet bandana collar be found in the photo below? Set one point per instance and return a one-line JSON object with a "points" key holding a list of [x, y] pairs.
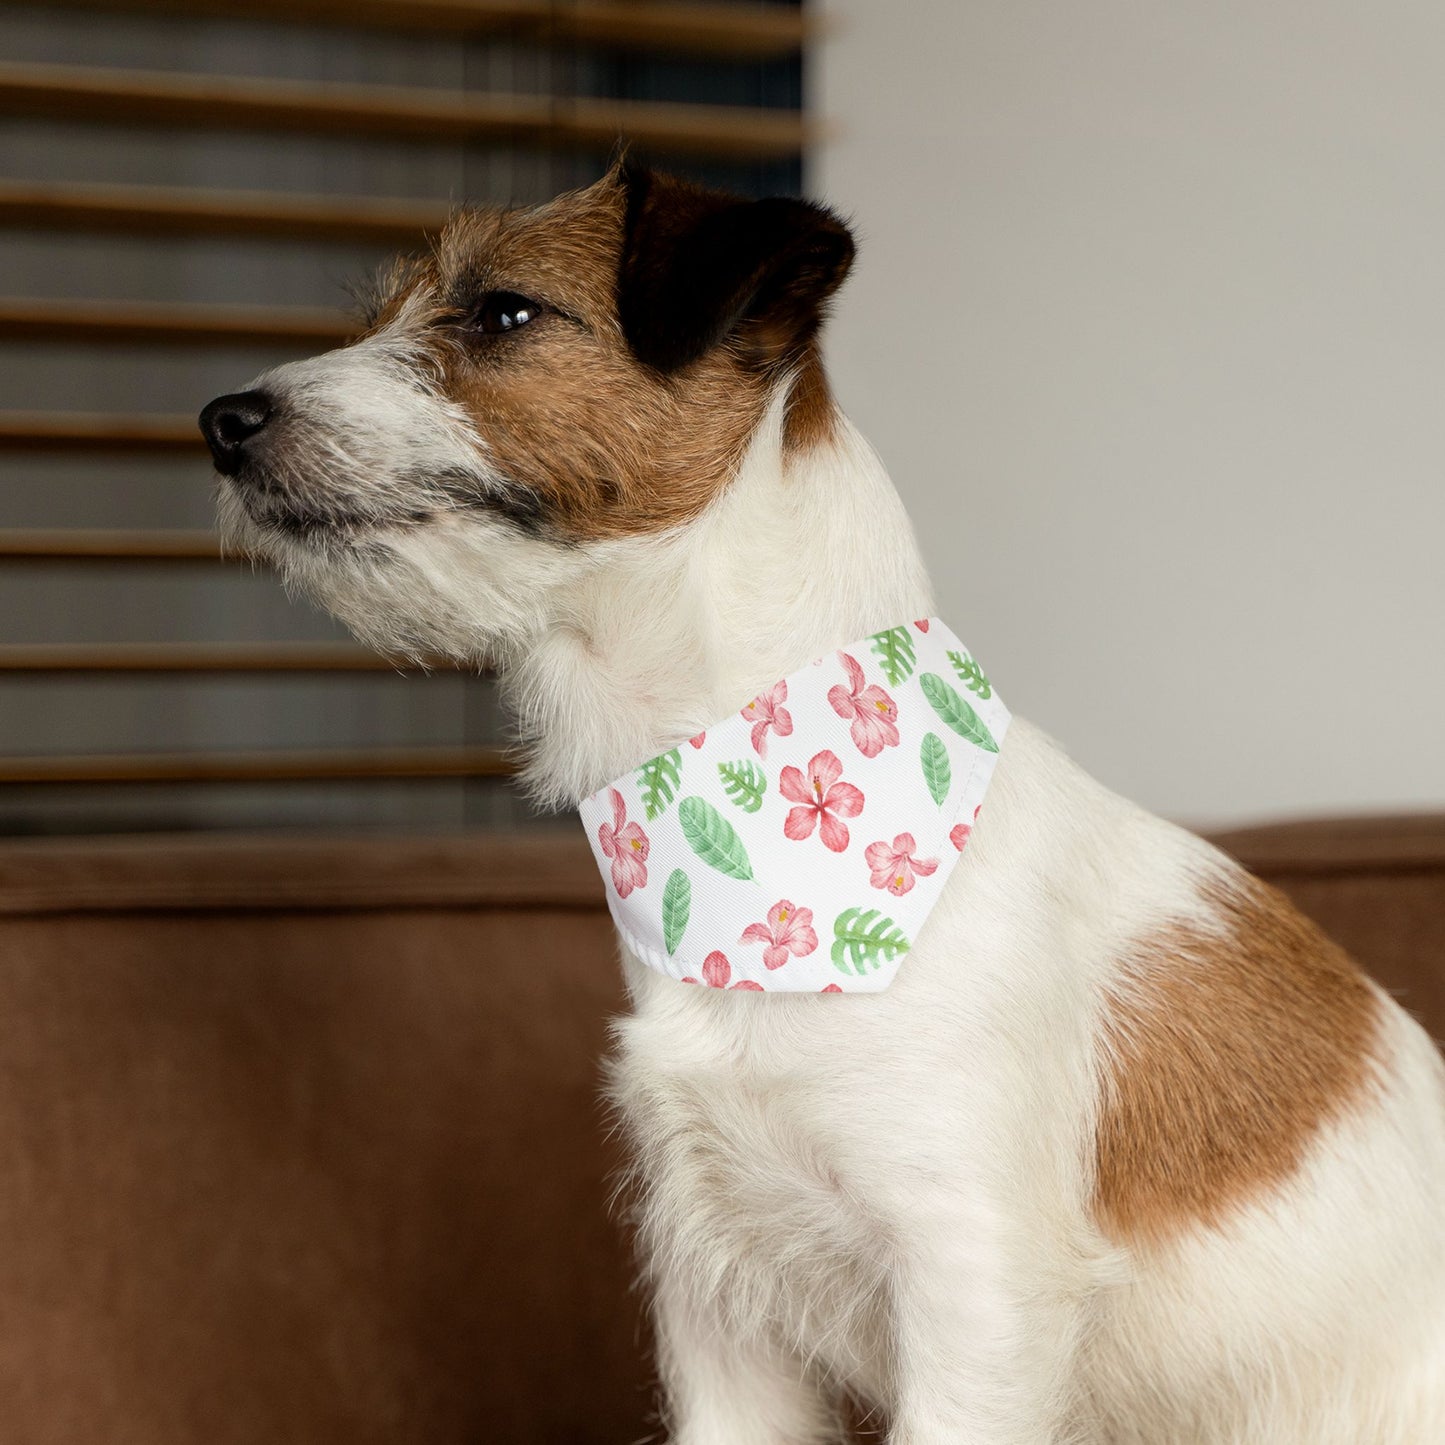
{"points": [[799, 845]]}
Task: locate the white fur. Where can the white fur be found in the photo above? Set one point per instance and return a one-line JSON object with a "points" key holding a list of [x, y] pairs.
{"points": [[889, 1194]]}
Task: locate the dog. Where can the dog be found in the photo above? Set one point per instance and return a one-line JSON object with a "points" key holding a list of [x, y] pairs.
{"points": [[1127, 1152]]}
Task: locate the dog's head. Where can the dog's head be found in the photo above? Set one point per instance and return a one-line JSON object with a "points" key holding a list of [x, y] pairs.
{"points": [[544, 384]]}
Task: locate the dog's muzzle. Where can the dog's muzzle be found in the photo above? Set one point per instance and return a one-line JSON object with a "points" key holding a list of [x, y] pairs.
{"points": [[232, 422]]}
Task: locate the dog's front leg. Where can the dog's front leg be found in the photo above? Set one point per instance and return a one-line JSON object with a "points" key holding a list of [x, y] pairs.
{"points": [[984, 1340], [722, 1388]]}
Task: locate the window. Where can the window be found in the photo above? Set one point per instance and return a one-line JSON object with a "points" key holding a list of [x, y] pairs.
{"points": [[185, 193]]}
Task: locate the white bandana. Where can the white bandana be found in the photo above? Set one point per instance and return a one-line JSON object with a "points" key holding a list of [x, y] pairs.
{"points": [[799, 845]]}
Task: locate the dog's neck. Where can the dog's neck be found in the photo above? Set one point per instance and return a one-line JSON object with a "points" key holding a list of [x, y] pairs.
{"points": [[802, 553]]}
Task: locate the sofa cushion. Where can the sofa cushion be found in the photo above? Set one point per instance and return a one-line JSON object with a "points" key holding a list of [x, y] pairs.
{"points": [[303, 1141]]}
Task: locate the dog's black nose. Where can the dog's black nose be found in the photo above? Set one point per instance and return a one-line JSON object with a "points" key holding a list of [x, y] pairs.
{"points": [[229, 422]]}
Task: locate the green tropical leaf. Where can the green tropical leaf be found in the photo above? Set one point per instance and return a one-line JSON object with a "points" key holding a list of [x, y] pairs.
{"points": [[744, 783], [895, 652], [676, 908], [658, 781], [863, 940], [713, 839], [937, 770], [971, 674], [956, 712]]}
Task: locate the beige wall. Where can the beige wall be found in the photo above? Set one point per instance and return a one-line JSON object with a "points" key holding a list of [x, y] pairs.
{"points": [[1149, 323]]}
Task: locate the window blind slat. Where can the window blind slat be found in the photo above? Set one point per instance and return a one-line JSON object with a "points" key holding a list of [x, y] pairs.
{"points": [[171, 323], [186, 657], [271, 766], [219, 102], [81, 544], [172, 211], [83, 431], [710, 29]]}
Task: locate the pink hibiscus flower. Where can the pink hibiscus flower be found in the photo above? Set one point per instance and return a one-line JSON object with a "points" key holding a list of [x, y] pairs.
{"points": [[626, 844], [824, 801], [699, 740], [831, 988], [922, 626], [788, 932], [874, 714], [716, 971], [894, 866], [766, 711], [958, 834]]}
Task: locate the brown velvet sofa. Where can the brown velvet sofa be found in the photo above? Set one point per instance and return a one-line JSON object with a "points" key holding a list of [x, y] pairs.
{"points": [[302, 1142]]}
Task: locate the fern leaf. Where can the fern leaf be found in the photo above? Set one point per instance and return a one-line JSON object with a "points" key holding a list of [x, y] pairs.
{"points": [[744, 783], [658, 781], [895, 653]]}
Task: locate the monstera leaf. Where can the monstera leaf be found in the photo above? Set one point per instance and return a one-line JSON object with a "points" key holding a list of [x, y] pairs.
{"points": [[657, 781], [971, 674], [713, 839], [744, 783], [895, 653], [862, 939]]}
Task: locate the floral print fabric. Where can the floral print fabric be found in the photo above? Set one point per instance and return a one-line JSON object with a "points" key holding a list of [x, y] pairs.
{"points": [[800, 844], [822, 799]]}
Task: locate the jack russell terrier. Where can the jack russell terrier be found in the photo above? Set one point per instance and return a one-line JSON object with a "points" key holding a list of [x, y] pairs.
{"points": [[1050, 1126]]}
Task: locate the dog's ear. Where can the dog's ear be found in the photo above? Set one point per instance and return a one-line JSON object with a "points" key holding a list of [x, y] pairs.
{"points": [[700, 266]]}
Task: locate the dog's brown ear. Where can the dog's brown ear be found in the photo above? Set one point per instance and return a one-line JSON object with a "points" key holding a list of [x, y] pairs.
{"points": [[699, 266]]}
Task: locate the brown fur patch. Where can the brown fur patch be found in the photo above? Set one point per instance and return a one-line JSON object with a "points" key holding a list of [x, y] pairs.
{"points": [[1227, 1052], [812, 415], [605, 445]]}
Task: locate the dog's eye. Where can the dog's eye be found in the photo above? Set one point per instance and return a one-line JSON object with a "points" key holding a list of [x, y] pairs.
{"points": [[504, 311]]}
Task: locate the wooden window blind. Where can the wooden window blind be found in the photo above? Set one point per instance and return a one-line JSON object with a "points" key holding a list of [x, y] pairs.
{"points": [[185, 188]]}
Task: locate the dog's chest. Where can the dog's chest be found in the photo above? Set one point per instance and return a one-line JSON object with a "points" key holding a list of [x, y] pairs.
{"points": [[751, 1182]]}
